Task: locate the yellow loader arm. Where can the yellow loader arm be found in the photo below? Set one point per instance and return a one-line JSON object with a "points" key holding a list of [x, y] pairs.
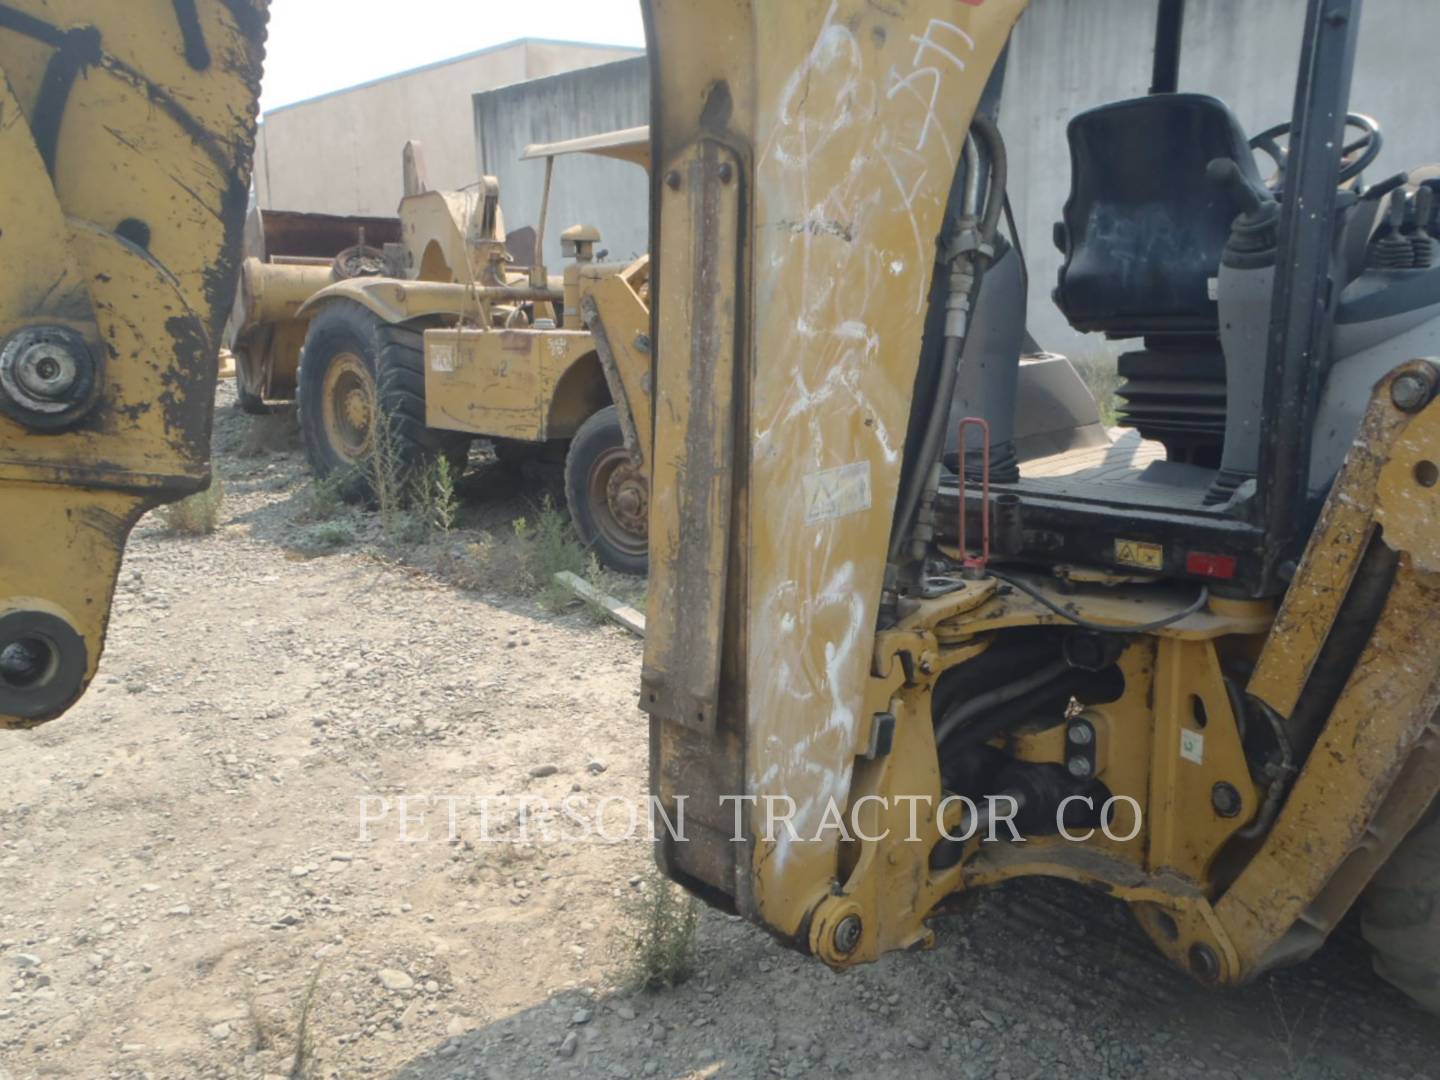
{"points": [[126, 133]]}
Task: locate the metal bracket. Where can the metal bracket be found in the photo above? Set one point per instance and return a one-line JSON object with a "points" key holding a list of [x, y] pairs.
{"points": [[590, 315]]}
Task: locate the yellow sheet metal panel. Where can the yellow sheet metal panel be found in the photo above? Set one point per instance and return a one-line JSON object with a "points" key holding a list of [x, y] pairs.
{"points": [[57, 576], [848, 118], [1197, 748], [498, 383], [861, 116], [34, 236]]}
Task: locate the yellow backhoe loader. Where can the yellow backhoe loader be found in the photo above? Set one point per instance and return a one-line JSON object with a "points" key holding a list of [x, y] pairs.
{"points": [[884, 665]]}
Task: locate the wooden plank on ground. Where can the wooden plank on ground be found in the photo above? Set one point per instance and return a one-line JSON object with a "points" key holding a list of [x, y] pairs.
{"points": [[623, 614]]}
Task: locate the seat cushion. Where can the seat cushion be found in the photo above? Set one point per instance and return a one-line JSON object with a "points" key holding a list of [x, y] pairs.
{"points": [[1144, 228]]}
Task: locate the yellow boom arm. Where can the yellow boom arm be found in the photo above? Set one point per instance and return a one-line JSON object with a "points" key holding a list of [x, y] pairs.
{"points": [[126, 133]]}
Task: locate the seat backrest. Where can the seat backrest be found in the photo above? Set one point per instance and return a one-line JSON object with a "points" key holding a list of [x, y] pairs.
{"points": [[1144, 228]]}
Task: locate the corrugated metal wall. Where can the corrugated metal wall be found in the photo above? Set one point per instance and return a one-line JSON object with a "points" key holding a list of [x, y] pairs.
{"points": [[611, 195], [340, 153]]}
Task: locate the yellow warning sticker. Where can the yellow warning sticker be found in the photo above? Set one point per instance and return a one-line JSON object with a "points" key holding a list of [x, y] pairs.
{"points": [[1138, 553]]}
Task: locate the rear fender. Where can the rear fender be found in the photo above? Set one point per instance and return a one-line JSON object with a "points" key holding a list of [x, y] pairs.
{"points": [[394, 301]]}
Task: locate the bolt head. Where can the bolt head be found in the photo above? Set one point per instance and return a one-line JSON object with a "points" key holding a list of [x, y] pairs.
{"points": [[1078, 767], [847, 934], [1410, 392], [40, 371], [1226, 800], [1082, 734], [47, 374], [1204, 963], [672, 180]]}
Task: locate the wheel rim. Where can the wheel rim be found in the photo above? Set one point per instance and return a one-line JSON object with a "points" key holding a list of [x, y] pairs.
{"points": [[348, 407], [620, 502]]}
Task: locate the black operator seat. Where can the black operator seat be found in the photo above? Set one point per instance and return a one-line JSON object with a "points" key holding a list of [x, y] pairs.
{"points": [[1144, 228]]}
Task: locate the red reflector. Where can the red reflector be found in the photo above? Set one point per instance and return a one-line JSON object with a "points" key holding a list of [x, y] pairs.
{"points": [[1213, 566]]}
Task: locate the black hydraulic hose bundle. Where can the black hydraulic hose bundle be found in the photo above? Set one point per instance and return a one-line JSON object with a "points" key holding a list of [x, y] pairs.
{"points": [[970, 247]]}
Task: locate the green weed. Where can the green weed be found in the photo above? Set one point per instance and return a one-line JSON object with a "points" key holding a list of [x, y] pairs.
{"points": [[1103, 380], [660, 935]]}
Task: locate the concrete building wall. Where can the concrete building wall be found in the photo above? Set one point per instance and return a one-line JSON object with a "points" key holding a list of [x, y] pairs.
{"points": [[611, 195], [1069, 55], [340, 153]]}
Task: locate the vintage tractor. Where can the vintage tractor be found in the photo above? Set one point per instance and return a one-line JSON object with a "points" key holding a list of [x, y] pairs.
{"points": [[342, 335]]}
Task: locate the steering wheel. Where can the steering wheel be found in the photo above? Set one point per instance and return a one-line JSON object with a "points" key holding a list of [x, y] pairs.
{"points": [[1355, 158]]}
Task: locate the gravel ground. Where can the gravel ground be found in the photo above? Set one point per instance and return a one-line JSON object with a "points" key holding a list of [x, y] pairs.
{"points": [[184, 869]]}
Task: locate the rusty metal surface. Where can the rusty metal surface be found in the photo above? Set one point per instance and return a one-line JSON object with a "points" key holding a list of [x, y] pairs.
{"points": [[693, 467], [293, 232]]}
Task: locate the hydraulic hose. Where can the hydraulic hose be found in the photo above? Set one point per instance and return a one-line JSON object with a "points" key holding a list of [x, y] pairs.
{"points": [[1275, 793], [986, 128], [949, 362], [967, 267], [993, 699], [1197, 605]]}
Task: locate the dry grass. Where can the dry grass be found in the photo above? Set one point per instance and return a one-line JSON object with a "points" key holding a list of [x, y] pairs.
{"points": [[524, 561], [331, 534], [198, 514], [552, 547], [607, 581], [320, 500], [304, 1057], [275, 433]]}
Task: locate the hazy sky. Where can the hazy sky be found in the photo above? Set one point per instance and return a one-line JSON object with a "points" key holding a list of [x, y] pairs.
{"points": [[316, 46]]}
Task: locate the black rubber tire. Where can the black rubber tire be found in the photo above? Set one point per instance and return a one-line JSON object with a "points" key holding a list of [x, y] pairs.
{"points": [[1401, 915], [600, 434], [394, 357]]}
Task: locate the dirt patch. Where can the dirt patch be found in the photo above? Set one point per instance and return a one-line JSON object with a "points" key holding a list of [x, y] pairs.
{"points": [[185, 875]]}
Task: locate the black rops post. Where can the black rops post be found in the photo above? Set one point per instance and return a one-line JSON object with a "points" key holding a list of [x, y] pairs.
{"points": [[1169, 26], [1303, 302]]}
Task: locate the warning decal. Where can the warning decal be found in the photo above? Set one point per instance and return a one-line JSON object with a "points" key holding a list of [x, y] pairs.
{"points": [[1139, 553], [833, 493]]}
